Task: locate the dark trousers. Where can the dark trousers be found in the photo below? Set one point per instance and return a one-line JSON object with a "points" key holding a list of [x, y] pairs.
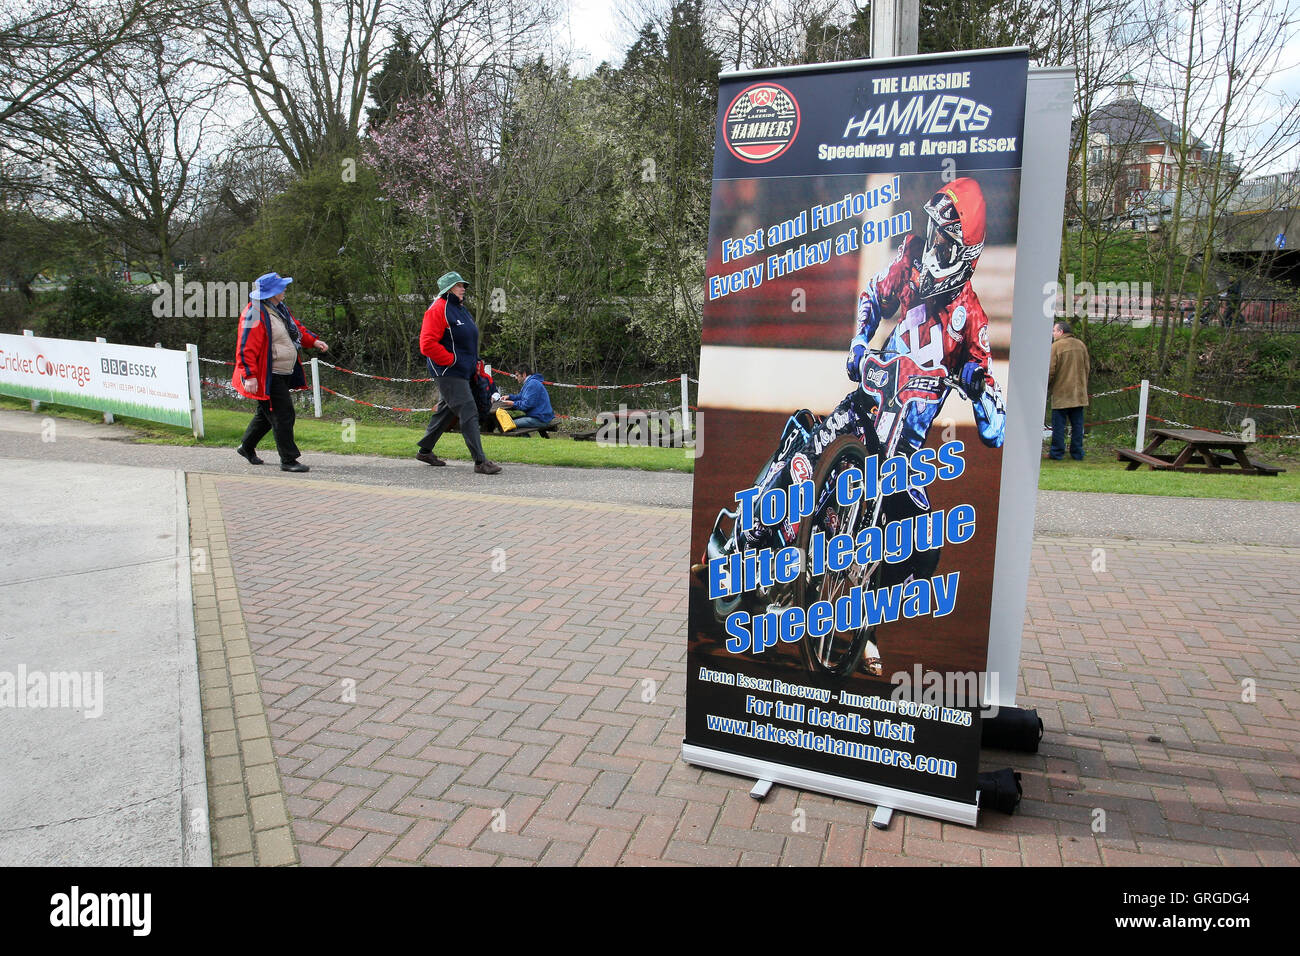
{"points": [[1059, 417], [458, 402], [276, 415]]}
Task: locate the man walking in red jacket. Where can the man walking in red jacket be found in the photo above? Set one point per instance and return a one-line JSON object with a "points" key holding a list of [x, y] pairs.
{"points": [[267, 368], [449, 342]]}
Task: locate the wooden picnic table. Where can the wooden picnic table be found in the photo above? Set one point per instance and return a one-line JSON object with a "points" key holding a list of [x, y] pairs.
{"points": [[636, 426], [1221, 454]]}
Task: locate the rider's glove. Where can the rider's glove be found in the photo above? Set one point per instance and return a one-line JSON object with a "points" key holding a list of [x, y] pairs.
{"points": [[854, 365], [972, 380]]}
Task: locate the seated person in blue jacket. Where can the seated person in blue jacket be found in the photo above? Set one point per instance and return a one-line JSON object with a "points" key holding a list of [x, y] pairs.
{"points": [[533, 401]]}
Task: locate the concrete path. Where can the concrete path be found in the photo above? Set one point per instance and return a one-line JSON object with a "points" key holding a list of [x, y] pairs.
{"points": [[1152, 518], [100, 733], [23, 435]]}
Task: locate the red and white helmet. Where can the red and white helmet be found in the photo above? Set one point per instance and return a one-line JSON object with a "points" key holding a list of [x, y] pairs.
{"points": [[954, 237]]}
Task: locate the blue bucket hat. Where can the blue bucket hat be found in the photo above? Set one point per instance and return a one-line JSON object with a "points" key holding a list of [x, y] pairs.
{"points": [[268, 285]]}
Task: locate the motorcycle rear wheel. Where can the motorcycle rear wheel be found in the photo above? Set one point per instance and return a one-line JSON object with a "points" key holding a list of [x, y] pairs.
{"points": [[836, 653]]}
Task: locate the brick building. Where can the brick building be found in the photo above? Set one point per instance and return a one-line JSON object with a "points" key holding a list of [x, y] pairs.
{"points": [[1132, 157]]}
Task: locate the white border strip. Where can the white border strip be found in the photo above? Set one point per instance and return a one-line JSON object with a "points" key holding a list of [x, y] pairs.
{"points": [[857, 64], [1048, 101], [875, 795], [195, 821]]}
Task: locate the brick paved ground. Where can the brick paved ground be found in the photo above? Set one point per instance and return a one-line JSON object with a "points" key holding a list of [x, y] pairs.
{"points": [[426, 707], [249, 822]]}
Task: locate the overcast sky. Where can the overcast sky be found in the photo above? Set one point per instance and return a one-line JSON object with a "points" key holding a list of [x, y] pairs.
{"points": [[599, 29], [596, 28]]}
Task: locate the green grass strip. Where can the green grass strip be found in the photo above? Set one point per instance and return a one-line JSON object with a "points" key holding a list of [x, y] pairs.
{"points": [[225, 428], [1100, 472]]}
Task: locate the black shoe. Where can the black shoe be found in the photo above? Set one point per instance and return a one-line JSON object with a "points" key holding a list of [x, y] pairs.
{"points": [[294, 466], [429, 458], [249, 456], [487, 468]]}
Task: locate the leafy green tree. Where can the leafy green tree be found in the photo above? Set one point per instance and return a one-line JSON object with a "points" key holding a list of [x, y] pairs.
{"points": [[310, 232], [31, 245], [668, 94], [94, 305], [404, 75], [569, 266]]}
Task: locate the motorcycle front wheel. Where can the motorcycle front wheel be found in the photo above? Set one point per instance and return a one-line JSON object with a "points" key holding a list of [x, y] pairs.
{"points": [[837, 652]]}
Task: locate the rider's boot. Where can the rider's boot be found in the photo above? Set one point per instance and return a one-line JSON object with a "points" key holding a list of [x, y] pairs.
{"points": [[871, 664]]}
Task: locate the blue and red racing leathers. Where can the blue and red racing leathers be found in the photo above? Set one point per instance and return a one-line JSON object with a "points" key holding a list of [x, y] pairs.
{"points": [[948, 337], [951, 336]]}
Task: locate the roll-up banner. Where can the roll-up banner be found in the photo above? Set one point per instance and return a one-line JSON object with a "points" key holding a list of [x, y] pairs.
{"points": [[152, 384], [855, 350]]}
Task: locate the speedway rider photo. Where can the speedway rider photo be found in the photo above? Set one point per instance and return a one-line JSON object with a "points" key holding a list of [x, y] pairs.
{"points": [[901, 352], [940, 341], [942, 329]]}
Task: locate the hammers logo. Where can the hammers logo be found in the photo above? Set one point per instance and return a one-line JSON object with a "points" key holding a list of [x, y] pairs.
{"points": [[761, 123]]}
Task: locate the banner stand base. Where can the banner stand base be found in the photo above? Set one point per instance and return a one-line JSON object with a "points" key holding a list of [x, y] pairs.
{"points": [[887, 797]]}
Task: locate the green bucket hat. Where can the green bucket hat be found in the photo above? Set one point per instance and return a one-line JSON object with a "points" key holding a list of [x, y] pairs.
{"points": [[447, 281]]}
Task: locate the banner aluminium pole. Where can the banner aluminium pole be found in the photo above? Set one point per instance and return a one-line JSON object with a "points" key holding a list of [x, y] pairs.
{"points": [[196, 389], [895, 25], [108, 416], [876, 795], [1049, 96], [36, 406]]}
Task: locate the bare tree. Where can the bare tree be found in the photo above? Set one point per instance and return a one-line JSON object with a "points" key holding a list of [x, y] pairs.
{"points": [[125, 146], [304, 66], [754, 34], [46, 43], [1102, 41], [1213, 62], [480, 42]]}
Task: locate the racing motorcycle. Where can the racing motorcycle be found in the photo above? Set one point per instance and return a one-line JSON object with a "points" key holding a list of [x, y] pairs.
{"points": [[891, 383]]}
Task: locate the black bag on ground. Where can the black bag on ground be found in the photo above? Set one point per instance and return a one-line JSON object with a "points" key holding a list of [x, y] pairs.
{"points": [[1012, 729], [1000, 790]]}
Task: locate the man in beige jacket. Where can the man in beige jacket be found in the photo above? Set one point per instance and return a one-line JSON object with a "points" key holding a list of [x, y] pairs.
{"points": [[1067, 384]]}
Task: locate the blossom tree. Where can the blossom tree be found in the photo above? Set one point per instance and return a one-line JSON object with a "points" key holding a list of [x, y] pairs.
{"points": [[433, 160]]}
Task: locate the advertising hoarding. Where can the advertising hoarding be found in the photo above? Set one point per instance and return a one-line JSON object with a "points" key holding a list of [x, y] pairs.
{"points": [[856, 341]]}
